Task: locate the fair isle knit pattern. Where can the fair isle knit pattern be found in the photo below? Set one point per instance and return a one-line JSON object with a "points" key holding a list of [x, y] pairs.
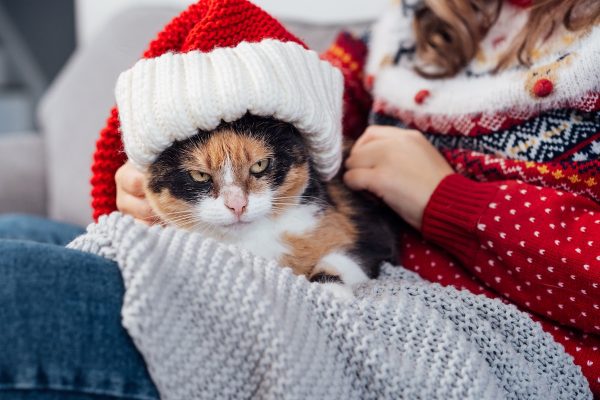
{"points": [[480, 123], [547, 112], [578, 178], [557, 133], [524, 226], [215, 322]]}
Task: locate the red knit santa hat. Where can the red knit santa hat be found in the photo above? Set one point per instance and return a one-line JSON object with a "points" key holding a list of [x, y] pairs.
{"points": [[217, 61]]}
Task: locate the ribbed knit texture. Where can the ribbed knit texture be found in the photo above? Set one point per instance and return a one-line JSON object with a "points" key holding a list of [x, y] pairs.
{"points": [[349, 54], [169, 98], [203, 26], [214, 322], [109, 156], [535, 243], [456, 205], [522, 223]]}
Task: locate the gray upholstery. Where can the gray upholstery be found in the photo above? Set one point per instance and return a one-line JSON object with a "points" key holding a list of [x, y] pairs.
{"points": [[22, 180], [77, 105], [74, 109]]}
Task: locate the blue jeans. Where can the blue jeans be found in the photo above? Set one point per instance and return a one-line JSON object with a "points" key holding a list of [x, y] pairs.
{"points": [[60, 326]]}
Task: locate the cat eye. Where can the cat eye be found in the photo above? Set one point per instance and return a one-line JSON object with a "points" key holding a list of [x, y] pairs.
{"points": [[260, 166], [201, 177]]}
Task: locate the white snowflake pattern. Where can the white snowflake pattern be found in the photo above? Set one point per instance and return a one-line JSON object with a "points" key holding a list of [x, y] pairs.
{"points": [[578, 157]]}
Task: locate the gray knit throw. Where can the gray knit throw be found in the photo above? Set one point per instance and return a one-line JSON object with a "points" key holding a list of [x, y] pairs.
{"points": [[214, 322]]}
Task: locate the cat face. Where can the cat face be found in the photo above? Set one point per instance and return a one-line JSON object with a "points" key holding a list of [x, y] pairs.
{"points": [[229, 178]]}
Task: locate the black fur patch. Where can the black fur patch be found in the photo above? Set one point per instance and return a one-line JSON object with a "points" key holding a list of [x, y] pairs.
{"points": [[378, 228], [322, 277], [285, 141], [167, 173], [316, 191]]}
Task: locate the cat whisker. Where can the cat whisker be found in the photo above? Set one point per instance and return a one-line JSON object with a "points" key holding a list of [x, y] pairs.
{"points": [[282, 207], [179, 218], [170, 214], [196, 224], [298, 197], [174, 219], [181, 223], [312, 199]]}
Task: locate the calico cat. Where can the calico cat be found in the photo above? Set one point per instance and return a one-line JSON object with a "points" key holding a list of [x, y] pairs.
{"points": [[252, 183]]}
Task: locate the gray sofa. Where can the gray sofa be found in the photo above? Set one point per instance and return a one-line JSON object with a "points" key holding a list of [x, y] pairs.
{"points": [[47, 172]]}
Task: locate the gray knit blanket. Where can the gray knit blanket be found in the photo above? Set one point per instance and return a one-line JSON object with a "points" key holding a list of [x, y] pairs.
{"points": [[215, 322]]}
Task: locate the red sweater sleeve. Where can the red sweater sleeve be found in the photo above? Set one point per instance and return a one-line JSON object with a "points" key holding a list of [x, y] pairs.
{"points": [[539, 247], [349, 55], [108, 157]]}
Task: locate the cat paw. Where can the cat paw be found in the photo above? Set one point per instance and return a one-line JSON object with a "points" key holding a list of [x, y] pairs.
{"points": [[340, 292]]}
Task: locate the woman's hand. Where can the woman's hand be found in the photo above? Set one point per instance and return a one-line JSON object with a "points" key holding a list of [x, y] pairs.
{"points": [[398, 165], [130, 194]]}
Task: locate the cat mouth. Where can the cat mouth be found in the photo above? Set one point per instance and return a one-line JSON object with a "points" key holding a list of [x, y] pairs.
{"points": [[237, 223]]}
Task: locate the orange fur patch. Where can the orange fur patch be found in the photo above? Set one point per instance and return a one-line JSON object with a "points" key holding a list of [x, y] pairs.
{"points": [[293, 186], [335, 231], [171, 209], [226, 146]]}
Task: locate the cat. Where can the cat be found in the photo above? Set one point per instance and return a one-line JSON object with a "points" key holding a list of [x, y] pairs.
{"points": [[252, 183]]}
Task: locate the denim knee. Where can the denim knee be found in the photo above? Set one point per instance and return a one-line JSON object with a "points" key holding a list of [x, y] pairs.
{"points": [[37, 229], [61, 333]]}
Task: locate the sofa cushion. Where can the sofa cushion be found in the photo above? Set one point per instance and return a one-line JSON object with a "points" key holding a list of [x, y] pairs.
{"points": [[77, 104], [22, 183]]}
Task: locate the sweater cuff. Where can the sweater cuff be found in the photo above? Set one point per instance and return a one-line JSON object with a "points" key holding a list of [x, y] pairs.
{"points": [[453, 211]]}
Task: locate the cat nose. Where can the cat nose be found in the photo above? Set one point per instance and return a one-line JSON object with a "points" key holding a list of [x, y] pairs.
{"points": [[236, 202]]}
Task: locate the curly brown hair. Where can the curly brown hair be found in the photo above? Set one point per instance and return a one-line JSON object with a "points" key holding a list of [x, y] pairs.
{"points": [[448, 32]]}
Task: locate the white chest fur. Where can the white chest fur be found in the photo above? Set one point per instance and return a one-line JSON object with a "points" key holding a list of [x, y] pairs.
{"points": [[263, 237]]}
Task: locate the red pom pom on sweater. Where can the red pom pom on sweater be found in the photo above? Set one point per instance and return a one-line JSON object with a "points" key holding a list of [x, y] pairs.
{"points": [[543, 87]]}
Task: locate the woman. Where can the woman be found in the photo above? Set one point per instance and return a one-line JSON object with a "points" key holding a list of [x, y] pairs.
{"points": [[499, 181], [458, 220]]}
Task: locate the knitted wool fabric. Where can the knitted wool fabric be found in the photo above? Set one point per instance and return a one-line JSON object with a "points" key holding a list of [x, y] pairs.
{"points": [[217, 61], [214, 322], [235, 60], [520, 221]]}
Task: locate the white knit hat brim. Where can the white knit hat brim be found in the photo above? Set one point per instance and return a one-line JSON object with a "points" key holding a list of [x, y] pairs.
{"points": [[169, 98]]}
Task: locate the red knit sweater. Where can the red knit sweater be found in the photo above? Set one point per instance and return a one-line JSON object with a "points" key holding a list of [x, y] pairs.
{"points": [[524, 228], [520, 220]]}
